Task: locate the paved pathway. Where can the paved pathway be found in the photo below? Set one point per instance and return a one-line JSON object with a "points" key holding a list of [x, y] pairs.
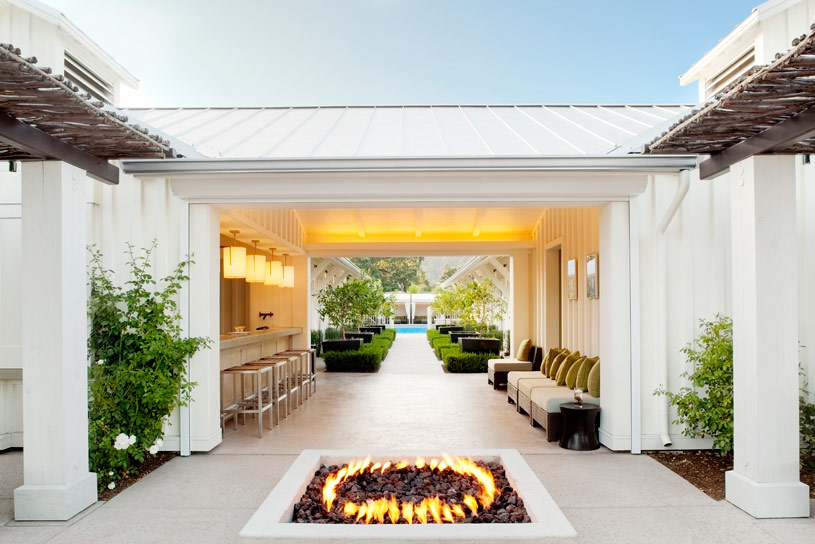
{"points": [[411, 403]]}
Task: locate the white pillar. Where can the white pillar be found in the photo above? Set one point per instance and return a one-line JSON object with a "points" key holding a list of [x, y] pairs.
{"points": [[301, 301], [519, 299], [615, 325], [204, 320], [765, 481], [56, 481]]}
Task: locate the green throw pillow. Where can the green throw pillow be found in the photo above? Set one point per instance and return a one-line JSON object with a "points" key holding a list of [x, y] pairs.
{"points": [[547, 361], [594, 381], [556, 363], [524, 349], [583, 374], [564, 367], [571, 376]]}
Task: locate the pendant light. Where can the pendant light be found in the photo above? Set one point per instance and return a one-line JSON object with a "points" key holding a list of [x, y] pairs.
{"points": [[274, 271], [288, 275], [234, 259], [255, 266]]}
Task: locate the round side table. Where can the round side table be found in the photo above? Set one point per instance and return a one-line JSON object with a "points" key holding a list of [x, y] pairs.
{"points": [[579, 427]]}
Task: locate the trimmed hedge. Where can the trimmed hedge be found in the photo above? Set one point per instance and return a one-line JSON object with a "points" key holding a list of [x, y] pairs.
{"points": [[431, 334], [368, 358], [388, 333], [446, 350], [352, 361], [468, 362], [439, 341]]}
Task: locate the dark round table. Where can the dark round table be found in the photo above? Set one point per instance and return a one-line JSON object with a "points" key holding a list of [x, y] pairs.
{"points": [[579, 427]]}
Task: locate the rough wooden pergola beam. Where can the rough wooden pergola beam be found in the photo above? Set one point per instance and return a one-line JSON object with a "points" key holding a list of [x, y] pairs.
{"points": [[42, 145], [777, 137]]}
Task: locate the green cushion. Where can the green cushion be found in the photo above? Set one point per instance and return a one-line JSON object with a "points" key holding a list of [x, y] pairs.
{"points": [[559, 358], [571, 375], [583, 374], [593, 385], [524, 349], [564, 367], [547, 361]]}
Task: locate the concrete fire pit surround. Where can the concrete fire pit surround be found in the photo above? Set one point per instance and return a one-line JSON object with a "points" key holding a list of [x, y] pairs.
{"points": [[271, 523]]}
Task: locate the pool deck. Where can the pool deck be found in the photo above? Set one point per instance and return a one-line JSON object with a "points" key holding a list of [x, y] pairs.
{"points": [[411, 403]]}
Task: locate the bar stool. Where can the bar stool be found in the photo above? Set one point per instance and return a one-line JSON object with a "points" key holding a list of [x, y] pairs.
{"points": [[277, 386], [287, 382], [253, 403], [308, 376]]}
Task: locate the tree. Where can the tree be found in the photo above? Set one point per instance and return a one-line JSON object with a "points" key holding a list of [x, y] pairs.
{"points": [[480, 306], [395, 273], [348, 305], [448, 301], [447, 272]]}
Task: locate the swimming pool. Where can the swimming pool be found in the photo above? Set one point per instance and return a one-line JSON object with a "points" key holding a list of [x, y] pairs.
{"points": [[411, 329]]}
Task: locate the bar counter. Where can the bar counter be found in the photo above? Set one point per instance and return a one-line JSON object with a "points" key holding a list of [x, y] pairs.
{"points": [[239, 349]]}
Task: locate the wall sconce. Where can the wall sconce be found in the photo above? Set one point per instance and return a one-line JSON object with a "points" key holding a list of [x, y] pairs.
{"points": [[234, 259]]}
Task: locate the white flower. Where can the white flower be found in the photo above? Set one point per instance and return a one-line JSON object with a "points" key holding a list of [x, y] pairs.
{"points": [[159, 442], [132, 439], [112, 485], [100, 362], [122, 442], [110, 473], [153, 449]]}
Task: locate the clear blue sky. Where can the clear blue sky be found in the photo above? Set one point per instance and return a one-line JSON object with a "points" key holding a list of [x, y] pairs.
{"points": [[328, 52]]}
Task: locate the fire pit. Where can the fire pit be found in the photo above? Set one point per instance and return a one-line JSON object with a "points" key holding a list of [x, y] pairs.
{"points": [[336, 504]]}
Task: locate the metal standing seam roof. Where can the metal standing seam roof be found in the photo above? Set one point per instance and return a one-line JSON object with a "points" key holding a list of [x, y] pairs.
{"points": [[408, 131]]}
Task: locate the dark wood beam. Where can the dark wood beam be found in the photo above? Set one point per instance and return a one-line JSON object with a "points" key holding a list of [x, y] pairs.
{"points": [[774, 139], [41, 144]]}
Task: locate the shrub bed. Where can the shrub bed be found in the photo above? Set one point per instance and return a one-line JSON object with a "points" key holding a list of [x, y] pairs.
{"points": [[468, 362], [446, 350], [388, 333], [431, 334], [368, 358]]}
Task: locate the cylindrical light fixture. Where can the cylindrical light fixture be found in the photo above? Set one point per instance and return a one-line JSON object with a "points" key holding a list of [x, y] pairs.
{"points": [[274, 271], [255, 266], [234, 259], [288, 275]]}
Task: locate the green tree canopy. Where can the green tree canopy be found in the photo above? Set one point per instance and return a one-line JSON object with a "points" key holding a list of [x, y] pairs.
{"points": [[395, 273], [348, 305]]}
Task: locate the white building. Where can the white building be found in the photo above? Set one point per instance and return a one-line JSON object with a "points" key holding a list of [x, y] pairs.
{"points": [[541, 185]]}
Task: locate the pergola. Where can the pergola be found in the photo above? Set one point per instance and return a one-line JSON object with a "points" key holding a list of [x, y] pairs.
{"points": [[754, 129], [44, 117], [59, 135]]}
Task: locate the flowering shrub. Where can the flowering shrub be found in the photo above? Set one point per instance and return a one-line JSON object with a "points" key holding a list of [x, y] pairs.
{"points": [[139, 374]]}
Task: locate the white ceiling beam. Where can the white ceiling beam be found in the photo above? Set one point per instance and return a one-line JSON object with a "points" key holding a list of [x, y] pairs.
{"points": [[419, 218], [360, 223], [479, 219], [497, 265]]}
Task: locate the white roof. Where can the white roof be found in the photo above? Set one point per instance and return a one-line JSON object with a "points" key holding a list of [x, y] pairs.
{"points": [[407, 131]]}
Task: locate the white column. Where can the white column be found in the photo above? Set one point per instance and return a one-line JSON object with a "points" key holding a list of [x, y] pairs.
{"points": [[301, 301], [56, 481], [204, 318], [615, 326], [519, 299], [765, 481]]}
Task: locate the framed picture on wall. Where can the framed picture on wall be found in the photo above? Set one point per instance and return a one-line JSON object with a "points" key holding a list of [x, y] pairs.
{"points": [[592, 279], [571, 275]]}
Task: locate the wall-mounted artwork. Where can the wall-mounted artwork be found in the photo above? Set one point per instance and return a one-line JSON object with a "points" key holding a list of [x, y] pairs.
{"points": [[592, 276], [571, 275]]}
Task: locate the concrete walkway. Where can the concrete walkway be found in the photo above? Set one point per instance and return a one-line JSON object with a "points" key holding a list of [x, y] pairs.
{"points": [[410, 403]]}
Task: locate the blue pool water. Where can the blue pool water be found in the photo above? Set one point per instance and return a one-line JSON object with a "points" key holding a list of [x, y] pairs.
{"points": [[411, 329]]}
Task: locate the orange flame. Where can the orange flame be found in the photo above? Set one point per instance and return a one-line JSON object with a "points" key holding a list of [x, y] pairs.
{"points": [[433, 508]]}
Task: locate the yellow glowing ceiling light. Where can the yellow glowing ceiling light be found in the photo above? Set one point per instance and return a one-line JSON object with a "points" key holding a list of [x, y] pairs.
{"points": [[234, 259], [288, 275], [255, 266], [274, 272]]}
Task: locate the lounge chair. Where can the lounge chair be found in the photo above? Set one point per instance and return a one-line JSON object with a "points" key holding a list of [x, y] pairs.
{"points": [[527, 358]]}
